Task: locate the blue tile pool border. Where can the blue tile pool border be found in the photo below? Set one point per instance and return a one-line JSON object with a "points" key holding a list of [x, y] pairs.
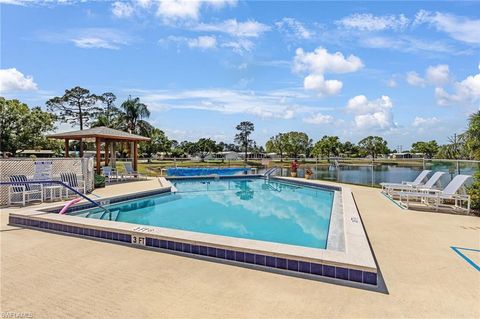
{"points": [[241, 257], [71, 229]]}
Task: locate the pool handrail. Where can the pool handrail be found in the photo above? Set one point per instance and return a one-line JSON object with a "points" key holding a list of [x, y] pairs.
{"points": [[64, 185], [270, 171]]}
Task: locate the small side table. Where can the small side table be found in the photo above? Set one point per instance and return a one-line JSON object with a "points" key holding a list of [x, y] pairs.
{"points": [[53, 192]]}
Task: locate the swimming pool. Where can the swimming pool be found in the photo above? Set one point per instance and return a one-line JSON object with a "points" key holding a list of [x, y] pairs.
{"points": [[286, 225], [250, 208]]}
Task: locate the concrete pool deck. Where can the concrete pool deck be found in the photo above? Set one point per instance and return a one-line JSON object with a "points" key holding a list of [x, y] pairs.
{"points": [[52, 275]]}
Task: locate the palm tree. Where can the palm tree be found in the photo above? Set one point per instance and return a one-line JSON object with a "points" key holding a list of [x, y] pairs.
{"points": [[472, 135], [135, 112]]}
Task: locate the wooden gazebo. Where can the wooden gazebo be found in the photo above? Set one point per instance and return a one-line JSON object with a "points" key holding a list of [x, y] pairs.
{"points": [[101, 135]]}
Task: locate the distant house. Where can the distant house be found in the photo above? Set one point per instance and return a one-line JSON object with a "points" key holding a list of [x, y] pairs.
{"points": [[405, 155], [228, 155]]}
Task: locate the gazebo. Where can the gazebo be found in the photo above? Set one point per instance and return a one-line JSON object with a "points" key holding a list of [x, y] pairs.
{"points": [[101, 135]]}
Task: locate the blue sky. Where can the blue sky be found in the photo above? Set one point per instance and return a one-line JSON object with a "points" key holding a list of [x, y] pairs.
{"points": [[405, 71]]}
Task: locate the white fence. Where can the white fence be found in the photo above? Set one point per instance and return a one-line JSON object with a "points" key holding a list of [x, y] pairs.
{"points": [[26, 166]]}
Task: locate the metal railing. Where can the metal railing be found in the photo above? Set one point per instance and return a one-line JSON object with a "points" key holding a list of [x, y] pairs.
{"points": [[106, 211]]}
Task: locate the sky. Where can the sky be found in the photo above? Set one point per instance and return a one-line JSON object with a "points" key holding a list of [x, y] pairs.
{"points": [[407, 71]]}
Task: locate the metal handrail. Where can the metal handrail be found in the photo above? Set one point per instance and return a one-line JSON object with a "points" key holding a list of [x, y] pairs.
{"points": [[270, 171], [67, 186]]}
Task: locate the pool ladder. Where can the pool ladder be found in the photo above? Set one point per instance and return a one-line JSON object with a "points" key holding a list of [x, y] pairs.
{"points": [[270, 171]]}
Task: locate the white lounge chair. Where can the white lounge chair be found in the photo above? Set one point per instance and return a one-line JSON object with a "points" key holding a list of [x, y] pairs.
{"points": [[450, 192], [109, 173], [430, 184], [131, 172], [418, 181], [23, 193], [72, 180]]}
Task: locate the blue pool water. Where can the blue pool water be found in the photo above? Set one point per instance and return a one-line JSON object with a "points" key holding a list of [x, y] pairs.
{"points": [[247, 208], [202, 171]]}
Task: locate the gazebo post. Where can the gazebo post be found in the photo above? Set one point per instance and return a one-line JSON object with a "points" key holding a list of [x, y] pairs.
{"points": [[107, 146], [81, 148], [66, 147], [114, 155], [97, 142], [135, 155]]}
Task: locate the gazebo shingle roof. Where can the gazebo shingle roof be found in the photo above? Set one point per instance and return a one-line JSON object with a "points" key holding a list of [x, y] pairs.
{"points": [[101, 132]]}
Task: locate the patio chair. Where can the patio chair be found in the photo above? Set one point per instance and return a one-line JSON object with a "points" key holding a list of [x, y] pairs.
{"points": [[450, 192], [23, 193], [430, 184], [109, 173], [418, 181], [72, 180], [131, 172]]}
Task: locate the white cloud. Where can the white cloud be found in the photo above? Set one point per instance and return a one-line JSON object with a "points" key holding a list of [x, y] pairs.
{"points": [[122, 9], [434, 75], [88, 38], [294, 28], [437, 75], [318, 118], [424, 121], [409, 44], [369, 22], [240, 46], [391, 83], [317, 83], [466, 92], [14, 80], [265, 105], [459, 28], [374, 114], [203, 42], [171, 10], [413, 78], [319, 62], [250, 28]]}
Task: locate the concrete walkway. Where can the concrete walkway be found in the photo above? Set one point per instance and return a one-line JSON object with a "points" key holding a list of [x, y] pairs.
{"points": [[59, 276]]}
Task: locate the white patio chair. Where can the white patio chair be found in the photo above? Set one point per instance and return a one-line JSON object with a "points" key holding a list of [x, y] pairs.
{"points": [[418, 181], [430, 184], [23, 193], [131, 172], [450, 192], [109, 173], [74, 181]]}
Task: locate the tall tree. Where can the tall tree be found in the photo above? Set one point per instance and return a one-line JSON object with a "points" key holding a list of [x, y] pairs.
{"points": [[205, 146], [472, 135], [23, 128], [242, 138], [135, 111], [327, 146], [158, 143], [110, 116], [455, 149], [373, 145], [297, 143], [77, 106], [277, 144], [428, 149]]}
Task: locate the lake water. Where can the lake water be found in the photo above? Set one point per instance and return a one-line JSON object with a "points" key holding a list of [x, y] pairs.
{"points": [[374, 175]]}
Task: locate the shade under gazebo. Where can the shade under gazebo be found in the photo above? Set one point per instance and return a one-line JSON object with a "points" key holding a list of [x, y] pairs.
{"points": [[102, 134]]}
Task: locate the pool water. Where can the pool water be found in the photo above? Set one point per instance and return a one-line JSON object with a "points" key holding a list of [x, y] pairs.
{"points": [[252, 208]]}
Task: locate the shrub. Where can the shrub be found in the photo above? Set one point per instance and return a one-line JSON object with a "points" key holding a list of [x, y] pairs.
{"points": [[474, 192], [99, 181]]}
